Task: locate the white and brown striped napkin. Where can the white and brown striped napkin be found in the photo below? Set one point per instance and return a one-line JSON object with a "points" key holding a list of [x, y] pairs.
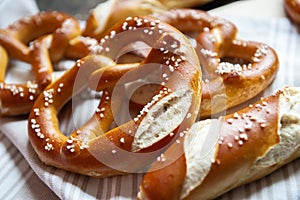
{"points": [[23, 176]]}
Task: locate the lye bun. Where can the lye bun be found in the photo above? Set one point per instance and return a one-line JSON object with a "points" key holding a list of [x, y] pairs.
{"points": [[221, 154]]}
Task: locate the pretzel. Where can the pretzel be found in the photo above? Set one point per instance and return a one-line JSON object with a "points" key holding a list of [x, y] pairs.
{"points": [[292, 7], [103, 16], [234, 70], [95, 150], [17, 99], [216, 156]]}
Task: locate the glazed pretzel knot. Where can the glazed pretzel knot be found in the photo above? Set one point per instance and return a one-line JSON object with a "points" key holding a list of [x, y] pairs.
{"points": [[38, 40], [94, 149], [234, 70]]}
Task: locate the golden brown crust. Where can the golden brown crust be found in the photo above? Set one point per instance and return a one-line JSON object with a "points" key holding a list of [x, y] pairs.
{"points": [[244, 137], [292, 8], [166, 176], [80, 47], [49, 34], [108, 77], [241, 86], [16, 38], [227, 83], [92, 149]]}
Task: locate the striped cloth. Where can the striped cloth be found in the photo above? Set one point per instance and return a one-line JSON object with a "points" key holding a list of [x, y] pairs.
{"points": [[23, 176]]}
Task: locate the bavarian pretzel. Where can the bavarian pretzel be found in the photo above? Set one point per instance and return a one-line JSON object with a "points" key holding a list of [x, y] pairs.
{"points": [[216, 156], [95, 150], [17, 99], [292, 8], [234, 70]]}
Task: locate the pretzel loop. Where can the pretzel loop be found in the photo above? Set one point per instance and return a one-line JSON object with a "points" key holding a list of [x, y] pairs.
{"points": [[234, 70], [95, 150], [49, 33]]}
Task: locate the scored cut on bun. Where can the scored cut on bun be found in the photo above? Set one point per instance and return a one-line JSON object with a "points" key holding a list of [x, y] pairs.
{"points": [[221, 154]]}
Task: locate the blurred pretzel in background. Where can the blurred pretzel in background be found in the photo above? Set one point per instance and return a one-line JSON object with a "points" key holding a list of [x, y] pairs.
{"points": [[38, 40], [103, 16], [292, 8]]}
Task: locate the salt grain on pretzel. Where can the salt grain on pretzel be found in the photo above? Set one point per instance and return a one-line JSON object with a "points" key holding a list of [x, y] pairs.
{"points": [[93, 149]]}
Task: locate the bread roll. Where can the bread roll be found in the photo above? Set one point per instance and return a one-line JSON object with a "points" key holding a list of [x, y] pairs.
{"points": [[221, 154]]}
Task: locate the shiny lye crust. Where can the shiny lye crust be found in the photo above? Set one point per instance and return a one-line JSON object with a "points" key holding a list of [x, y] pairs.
{"points": [[38, 40], [18, 35], [96, 150], [234, 70], [248, 145], [292, 8]]}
